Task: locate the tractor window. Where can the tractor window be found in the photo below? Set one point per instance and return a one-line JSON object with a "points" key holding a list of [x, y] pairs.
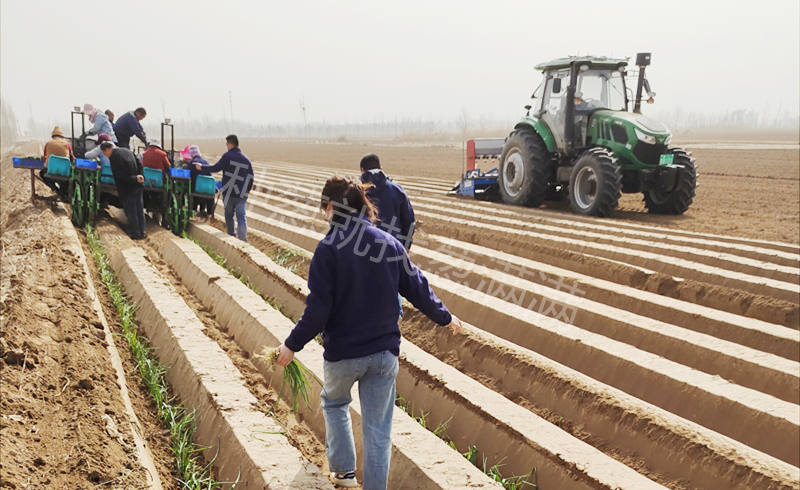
{"points": [[600, 89], [554, 103]]}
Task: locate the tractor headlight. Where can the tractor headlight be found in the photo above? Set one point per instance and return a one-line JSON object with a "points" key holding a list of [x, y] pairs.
{"points": [[645, 137]]}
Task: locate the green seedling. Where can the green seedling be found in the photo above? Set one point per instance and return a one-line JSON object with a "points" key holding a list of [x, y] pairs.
{"points": [[295, 375], [179, 421]]}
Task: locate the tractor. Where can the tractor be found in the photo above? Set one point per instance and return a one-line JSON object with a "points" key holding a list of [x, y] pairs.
{"points": [[579, 141]]}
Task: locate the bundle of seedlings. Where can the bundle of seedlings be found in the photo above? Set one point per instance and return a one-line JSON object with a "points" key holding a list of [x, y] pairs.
{"points": [[295, 375]]}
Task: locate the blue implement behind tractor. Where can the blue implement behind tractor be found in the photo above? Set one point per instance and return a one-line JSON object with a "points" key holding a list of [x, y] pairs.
{"points": [[476, 183]]}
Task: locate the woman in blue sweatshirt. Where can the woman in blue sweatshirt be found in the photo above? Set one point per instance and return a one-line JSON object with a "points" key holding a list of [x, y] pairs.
{"points": [[355, 276]]}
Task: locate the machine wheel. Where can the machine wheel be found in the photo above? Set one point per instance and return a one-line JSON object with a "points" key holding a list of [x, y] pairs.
{"points": [[679, 198], [523, 169], [184, 216], [78, 207], [595, 183], [172, 215], [91, 205]]}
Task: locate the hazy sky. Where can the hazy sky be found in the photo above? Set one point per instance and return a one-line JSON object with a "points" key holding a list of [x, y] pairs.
{"points": [[361, 61]]}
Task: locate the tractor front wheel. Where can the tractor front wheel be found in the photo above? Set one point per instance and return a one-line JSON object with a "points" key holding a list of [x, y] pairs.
{"points": [[678, 199], [523, 169], [595, 183]]}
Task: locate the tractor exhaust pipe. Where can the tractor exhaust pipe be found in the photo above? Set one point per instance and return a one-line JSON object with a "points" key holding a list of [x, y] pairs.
{"points": [[642, 61]]}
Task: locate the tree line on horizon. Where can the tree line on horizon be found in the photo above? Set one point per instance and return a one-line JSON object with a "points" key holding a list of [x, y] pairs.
{"points": [[462, 127]]}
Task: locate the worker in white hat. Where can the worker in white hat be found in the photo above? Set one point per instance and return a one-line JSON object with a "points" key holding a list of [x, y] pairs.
{"points": [[155, 157]]}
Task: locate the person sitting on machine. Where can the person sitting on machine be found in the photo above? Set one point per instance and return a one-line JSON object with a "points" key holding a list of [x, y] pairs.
{"points": [[192, 156], [128, 126], [59, 146], [100, 121], [155, 157], [97, 152]]}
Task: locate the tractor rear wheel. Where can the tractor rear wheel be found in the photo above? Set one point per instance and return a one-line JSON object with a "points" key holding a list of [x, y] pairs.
{"points": [[524, 167], [595, 183], [678, 199]]}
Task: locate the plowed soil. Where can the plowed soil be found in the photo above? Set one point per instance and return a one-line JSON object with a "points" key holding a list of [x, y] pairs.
{"points": [[748, 193], [744, 281], [62, 420]]}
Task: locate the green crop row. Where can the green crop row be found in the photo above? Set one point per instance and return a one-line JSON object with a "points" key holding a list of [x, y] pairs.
{"points": [[179, 421]]}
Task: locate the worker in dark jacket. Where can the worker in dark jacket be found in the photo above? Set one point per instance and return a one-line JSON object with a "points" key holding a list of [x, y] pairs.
{"points": [[129, 178], [394, 209], [128, 126], [237, 180], [355, 276]]}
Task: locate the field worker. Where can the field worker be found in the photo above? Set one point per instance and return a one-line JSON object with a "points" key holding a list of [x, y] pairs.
{"points": [[129, 178], [59, 146], [237, 180], [353, 303], [191, 153], [100, 121], [128, 126], [395, 214], [155, 157], [97, 152]]}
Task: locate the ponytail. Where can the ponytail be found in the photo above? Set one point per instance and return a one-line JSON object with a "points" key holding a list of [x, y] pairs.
{"points": [[348, 197]]}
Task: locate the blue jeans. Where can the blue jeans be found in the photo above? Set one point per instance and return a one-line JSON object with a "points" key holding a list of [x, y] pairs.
{"points": [[236, 205], [375, 374]]}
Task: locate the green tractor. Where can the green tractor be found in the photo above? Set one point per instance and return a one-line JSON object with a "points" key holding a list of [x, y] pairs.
{"points": [[579, 141]]}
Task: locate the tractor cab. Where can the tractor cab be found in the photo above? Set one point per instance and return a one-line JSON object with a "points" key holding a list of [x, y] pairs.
{"points": [[595, 88], [584, 102]]}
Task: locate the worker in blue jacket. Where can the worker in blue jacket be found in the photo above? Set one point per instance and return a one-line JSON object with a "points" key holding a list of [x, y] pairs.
{"points": [[128, 126], [355, 276], [395, 213], [237, 180]]}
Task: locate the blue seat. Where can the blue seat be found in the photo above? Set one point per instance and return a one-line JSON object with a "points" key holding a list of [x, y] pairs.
{"points": [[59, 166], [153, 177], [205, 185]]}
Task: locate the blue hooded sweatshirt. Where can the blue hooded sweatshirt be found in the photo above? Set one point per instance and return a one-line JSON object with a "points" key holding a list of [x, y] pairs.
{"points": [[237, 174], [355, 275], [394, 209]]}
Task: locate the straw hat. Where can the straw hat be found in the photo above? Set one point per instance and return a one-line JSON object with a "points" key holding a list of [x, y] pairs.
{"points": [[154, 142], [57, 132]]}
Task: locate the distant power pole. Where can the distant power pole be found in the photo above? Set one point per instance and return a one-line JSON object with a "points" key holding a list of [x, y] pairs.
{"points": [[230, 105], [305, 120]]}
